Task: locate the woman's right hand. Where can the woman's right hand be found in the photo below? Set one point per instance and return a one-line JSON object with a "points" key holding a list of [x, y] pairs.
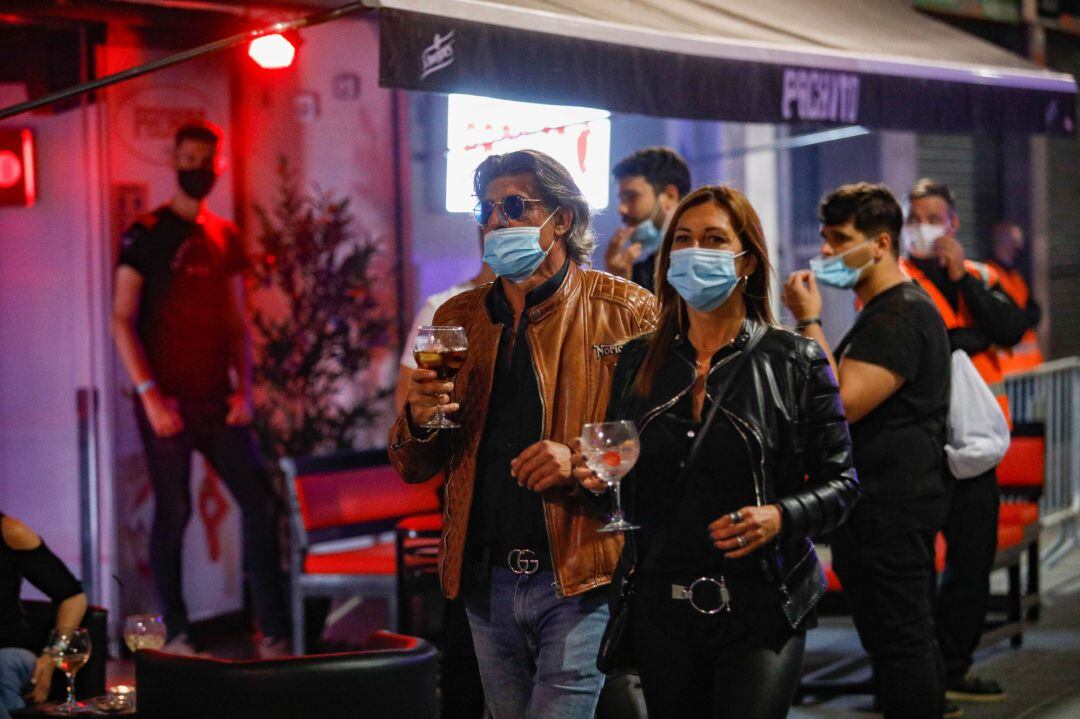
{"points": [[426, 393], [581, 472]]}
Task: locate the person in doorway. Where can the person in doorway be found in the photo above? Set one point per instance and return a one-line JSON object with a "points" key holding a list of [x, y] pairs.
{"points": [[893, 368], [26, 674], [1005, 260], [519, 538], [180, 331], [982, 321], [651, 183], [726, 577]]}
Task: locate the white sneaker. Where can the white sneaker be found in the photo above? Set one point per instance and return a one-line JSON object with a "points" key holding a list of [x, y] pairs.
{"points": [[181, 646]]}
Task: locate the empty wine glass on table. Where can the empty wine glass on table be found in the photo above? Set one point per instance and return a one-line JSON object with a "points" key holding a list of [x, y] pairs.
{"points": [[144, 631], [70, 650], [611, 449], [443, 349]]}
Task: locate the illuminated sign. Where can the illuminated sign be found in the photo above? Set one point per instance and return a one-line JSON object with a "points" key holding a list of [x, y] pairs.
{"points": [[17, 173], [578, 137]]}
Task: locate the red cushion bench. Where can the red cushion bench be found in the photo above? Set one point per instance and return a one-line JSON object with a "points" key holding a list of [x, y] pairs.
{"points": [[341, 505]]}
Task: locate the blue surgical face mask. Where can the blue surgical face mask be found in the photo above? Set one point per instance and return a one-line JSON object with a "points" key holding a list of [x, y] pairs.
{"points": [[834, 272], [515, 252], [703, 277], [649, 235]]}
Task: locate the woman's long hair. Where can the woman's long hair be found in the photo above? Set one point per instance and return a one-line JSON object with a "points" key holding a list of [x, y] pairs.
{"points": [[673, 317]]}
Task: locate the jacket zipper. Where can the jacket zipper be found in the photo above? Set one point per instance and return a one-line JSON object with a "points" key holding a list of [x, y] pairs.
{"points": [[543, 502]]}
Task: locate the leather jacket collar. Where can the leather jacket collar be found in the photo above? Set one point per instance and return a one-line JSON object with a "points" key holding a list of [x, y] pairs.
{"points": [[539, 297]]}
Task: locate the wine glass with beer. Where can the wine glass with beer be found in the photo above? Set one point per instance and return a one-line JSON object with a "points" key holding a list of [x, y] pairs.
{"points": [[70, 650], [144, 631], [611, 449], [442, 349]]}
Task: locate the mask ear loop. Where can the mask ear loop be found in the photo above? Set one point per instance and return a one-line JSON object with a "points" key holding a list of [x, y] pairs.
{"points": [[553, 239]]}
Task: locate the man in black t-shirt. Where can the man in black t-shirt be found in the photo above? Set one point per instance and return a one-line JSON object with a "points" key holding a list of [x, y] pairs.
{"points": [[893, 368], [180, 332]]}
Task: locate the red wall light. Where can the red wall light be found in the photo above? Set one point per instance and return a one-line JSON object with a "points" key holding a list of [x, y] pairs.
{"points": [[17, 172], [273, 52]]}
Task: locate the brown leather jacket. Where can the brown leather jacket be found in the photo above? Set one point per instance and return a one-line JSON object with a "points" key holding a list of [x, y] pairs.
{"points": [[575, 337]]}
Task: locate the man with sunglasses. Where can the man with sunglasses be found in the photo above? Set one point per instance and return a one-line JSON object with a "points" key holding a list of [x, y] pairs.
{"points": [[519, 538], [651, 183]]}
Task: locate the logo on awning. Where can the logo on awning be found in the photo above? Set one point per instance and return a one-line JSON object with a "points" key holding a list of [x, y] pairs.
{"points": [[820, 95], [438, 55]]}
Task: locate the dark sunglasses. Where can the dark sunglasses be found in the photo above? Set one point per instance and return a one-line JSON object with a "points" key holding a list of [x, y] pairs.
{"points": [[513, 206]]}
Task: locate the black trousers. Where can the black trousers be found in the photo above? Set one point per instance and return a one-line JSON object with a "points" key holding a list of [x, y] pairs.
{"points": [[888, 578], [692, 665], [964, 592], [233, 454]]}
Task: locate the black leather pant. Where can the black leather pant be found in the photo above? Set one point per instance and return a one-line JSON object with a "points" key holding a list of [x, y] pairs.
{"points": [[971, 534], [694, 665]]}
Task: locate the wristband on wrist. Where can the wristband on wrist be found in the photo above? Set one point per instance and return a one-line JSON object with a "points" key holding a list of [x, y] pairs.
{"points": [[145, 386], [803, 324]]}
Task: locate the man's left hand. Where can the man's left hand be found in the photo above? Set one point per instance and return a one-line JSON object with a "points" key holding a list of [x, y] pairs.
{"points": [[543, 465], [951, 256], [239, 410], [41, 679]]}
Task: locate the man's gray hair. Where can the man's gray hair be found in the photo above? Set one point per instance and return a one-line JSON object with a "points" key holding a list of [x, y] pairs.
{"points": [[557, 189]]}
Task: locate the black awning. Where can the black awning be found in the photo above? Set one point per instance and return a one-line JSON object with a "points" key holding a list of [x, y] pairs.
{"points": [[541, 57]]}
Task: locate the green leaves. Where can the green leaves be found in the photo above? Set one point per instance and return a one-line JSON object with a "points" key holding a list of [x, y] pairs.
{"points": [[318, 322]]}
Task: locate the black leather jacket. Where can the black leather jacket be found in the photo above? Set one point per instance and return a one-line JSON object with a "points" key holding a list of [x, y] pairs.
{"points": [[786, 400]]}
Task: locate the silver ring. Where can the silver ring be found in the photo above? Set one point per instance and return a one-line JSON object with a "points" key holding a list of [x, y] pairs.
{"points": [[735, 517], [741, 539]]}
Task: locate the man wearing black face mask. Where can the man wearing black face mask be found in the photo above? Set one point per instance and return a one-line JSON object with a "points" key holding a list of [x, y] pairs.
{"points": [[180, 331]]}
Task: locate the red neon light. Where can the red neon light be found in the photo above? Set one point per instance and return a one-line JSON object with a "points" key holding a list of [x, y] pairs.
{"points": [[10, 169], [272, 52], [28, 167]]}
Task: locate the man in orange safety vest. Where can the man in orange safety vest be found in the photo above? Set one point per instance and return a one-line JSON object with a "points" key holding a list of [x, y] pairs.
{"points": [[981, 320], [1005, 260]]}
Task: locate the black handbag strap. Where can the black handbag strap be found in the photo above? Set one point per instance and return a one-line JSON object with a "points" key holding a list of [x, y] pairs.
{"points": [[756, 333]]}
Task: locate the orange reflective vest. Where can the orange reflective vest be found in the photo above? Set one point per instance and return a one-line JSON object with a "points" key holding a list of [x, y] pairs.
{"points": [[987, 362], [1026, 354]]}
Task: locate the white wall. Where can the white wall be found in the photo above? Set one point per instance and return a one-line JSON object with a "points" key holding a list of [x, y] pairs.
{"points": [[51, 331]]}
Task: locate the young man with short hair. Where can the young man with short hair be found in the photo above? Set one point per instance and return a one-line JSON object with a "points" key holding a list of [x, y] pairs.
{"points": [[893, 368], [651, 183], [179, 327]]}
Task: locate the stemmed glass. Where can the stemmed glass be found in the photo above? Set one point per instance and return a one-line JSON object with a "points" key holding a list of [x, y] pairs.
{"points": [[144, 631], [442, 349], [70, 650], [611, 449]]}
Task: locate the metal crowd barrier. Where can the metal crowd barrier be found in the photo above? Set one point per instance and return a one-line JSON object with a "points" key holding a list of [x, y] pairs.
{"points": [[1050, 394]]}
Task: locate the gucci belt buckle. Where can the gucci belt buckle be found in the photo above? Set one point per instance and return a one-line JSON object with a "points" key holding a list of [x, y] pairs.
{"points": [[680, 592], [522, 561]]}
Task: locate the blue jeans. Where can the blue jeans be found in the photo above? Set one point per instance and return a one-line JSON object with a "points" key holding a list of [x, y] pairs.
{"points": [[537, 651], [16, 668]]}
